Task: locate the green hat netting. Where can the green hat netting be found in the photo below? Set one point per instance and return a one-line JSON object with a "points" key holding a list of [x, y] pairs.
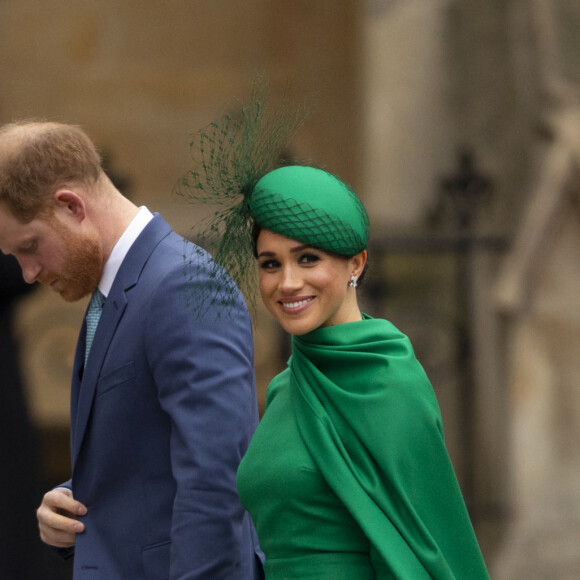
{"points": [[230, 156]]}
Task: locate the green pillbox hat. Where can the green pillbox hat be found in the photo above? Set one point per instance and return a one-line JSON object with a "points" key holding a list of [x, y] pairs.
{"points": [[312, 206]]}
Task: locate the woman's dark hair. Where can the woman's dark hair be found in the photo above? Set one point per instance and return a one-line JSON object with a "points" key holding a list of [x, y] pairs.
{"points": [[257, 228]]}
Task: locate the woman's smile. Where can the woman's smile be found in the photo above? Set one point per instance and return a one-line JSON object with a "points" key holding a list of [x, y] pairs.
{"points": [[296, 305]]}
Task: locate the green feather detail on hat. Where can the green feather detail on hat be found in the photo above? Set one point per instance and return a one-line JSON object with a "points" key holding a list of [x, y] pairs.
{"points": [[230, 156]]}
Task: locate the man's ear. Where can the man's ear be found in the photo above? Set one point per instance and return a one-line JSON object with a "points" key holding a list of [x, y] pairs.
{"points": [[71, 204]]}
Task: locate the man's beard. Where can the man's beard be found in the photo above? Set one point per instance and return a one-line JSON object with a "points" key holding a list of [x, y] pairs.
{"points": [[82, 267]]}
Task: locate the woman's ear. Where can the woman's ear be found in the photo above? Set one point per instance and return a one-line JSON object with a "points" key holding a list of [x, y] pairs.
{"points": [[358, 263]]}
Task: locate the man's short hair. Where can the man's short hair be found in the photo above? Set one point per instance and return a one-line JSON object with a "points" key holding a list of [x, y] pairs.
{"points": [[38, 158]]}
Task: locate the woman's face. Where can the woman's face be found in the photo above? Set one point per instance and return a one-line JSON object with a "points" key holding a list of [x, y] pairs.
{"points": [[306, 288]]}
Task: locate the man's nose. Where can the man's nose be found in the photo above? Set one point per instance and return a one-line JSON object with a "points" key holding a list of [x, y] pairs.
{"points": [[30, 271]]}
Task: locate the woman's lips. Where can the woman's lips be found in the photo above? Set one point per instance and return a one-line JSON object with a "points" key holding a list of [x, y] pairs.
{"points": [[296, 305]]}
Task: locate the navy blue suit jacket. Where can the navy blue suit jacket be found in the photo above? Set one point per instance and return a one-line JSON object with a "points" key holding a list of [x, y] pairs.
{"points": [[160, 418]]}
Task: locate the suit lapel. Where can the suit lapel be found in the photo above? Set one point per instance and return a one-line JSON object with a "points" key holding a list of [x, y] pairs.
{"points": [[83, 389]]}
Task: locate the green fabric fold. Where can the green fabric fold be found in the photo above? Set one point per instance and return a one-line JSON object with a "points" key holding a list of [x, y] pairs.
{"points": [[370, 419]]}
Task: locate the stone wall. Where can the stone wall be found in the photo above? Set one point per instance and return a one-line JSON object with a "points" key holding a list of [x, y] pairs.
{"points": [[544, 374]]}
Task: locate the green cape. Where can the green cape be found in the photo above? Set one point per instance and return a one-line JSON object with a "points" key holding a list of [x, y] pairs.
{"points": [[369, 417]]}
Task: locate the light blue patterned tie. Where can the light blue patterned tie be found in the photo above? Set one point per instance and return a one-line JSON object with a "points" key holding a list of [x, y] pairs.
{"points": [[93, 315]]}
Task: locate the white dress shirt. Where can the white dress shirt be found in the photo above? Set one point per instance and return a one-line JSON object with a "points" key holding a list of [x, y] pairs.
{"points": [[121, 248]]}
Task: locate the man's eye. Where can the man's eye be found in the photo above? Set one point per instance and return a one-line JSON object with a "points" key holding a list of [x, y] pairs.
{"points": [[28, 248]]}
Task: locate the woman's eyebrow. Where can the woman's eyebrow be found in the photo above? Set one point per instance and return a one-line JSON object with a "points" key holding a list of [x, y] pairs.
{"points": [[300, 248]]}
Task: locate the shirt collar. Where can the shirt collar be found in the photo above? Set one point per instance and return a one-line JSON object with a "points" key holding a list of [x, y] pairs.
{"points": [[123, 245]]}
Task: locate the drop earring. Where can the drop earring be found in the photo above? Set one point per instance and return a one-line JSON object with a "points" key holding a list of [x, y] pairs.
{"points": [[353, 282]]}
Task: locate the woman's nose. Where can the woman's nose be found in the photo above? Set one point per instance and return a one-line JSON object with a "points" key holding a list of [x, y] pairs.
{"points": [[291, 279]]}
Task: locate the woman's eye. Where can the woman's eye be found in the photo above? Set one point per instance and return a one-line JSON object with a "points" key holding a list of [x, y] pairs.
{"points": [[269, 264], [309, 258]]}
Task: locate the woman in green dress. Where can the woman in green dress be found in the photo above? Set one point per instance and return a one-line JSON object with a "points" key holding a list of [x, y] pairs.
{"points": [[347, 476]]}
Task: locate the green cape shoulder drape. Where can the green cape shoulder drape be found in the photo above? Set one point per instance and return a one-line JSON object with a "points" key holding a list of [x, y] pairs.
{"points": [[369, 417]]}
